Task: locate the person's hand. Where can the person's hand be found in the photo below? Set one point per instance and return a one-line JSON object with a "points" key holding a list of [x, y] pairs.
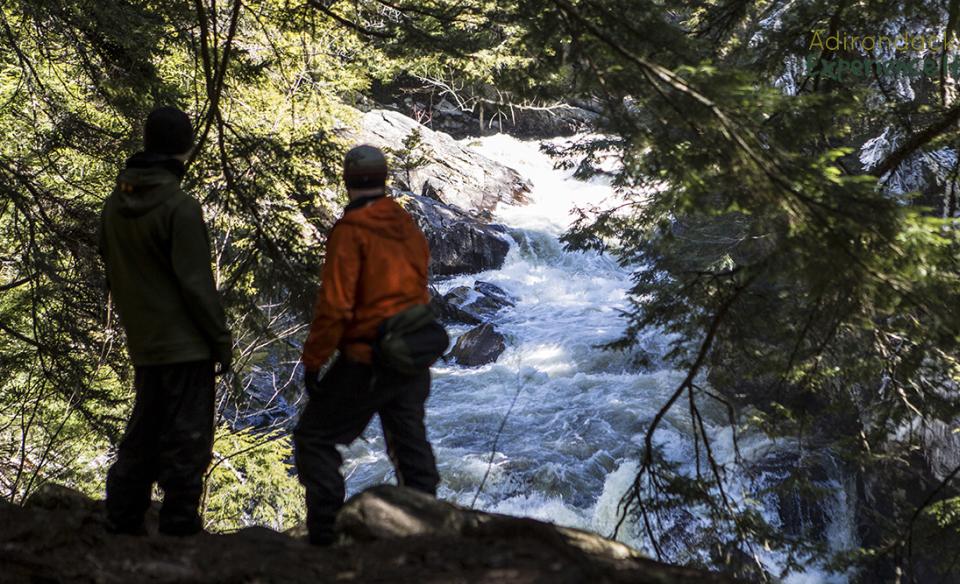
{"points": [[311, 380], [224, 359]]}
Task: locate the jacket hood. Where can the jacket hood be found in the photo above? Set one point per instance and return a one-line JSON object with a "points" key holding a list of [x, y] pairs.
{"points": [[383, 216], [146, 183]]}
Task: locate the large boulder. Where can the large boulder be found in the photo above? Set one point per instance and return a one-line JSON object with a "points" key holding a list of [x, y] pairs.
{"points": [[479, 346], [394, 514], [460, 243], [450, 172], [389, 512]]}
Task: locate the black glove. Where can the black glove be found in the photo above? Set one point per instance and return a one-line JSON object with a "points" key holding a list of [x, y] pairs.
{"points": [[224, 358], [311, 380]]}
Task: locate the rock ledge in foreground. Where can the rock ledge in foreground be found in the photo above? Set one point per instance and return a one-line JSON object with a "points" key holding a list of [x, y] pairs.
{"points": [[390, 535]]}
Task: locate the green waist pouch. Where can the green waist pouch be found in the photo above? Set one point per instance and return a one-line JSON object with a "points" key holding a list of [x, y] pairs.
{"points": [[410, 341]]}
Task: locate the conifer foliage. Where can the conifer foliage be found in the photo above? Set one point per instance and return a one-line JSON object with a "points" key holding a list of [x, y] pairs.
{"points": [[793, 227]]}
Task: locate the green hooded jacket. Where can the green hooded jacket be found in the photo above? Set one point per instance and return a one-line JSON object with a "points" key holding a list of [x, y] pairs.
{"points": [[157, 253]]}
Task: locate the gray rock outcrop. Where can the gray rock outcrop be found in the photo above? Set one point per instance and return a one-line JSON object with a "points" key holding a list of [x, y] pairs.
{"points": [[451, 172]]}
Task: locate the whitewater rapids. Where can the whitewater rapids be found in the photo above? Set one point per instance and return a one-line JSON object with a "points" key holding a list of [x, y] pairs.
{"points": [[570, 445]]}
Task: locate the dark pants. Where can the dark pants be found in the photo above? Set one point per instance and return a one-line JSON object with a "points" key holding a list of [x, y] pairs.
{"points": [[169, 440], [338, 411]]}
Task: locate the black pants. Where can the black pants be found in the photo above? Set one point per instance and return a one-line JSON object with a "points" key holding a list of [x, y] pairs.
{"points": [[338, 411], [169, 440]]}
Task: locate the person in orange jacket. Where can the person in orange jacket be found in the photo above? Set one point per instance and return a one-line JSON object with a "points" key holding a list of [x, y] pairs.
{"points": [[376, 266]]}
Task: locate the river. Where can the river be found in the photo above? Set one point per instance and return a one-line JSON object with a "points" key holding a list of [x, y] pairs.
{"points": [[577, 413]]}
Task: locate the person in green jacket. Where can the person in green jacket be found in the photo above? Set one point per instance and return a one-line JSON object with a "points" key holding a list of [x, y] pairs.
{"points": [[156, 251]]}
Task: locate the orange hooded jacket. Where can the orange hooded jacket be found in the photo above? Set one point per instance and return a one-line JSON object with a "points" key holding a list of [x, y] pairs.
{"points": [[376, 266]]}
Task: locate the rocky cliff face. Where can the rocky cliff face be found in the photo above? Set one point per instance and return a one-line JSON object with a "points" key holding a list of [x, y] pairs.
{"points": [[388, 534]]}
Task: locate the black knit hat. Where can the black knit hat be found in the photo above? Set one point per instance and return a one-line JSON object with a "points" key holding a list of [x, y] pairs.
{"points": [[364, 167], [168, 131]]}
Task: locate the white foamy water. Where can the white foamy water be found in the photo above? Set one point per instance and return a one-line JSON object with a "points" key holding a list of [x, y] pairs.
{"points": [[569, 448]]}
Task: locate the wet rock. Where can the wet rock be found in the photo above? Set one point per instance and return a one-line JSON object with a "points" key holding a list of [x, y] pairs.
{"points": [[460, 295], [456, 174], [503, 297], [479, 346], [482, 301], [484, 306], [459, 242], [449, 312]]}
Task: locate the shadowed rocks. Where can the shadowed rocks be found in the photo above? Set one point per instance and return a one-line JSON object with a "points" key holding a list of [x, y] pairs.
{"points": [[482, 301], [498, 294], [389, 534], [449, 312], [459, 242]]}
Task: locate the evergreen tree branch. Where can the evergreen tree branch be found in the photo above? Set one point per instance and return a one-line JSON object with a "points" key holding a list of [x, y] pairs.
{"points": [[947, 123], [319, 5]]}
